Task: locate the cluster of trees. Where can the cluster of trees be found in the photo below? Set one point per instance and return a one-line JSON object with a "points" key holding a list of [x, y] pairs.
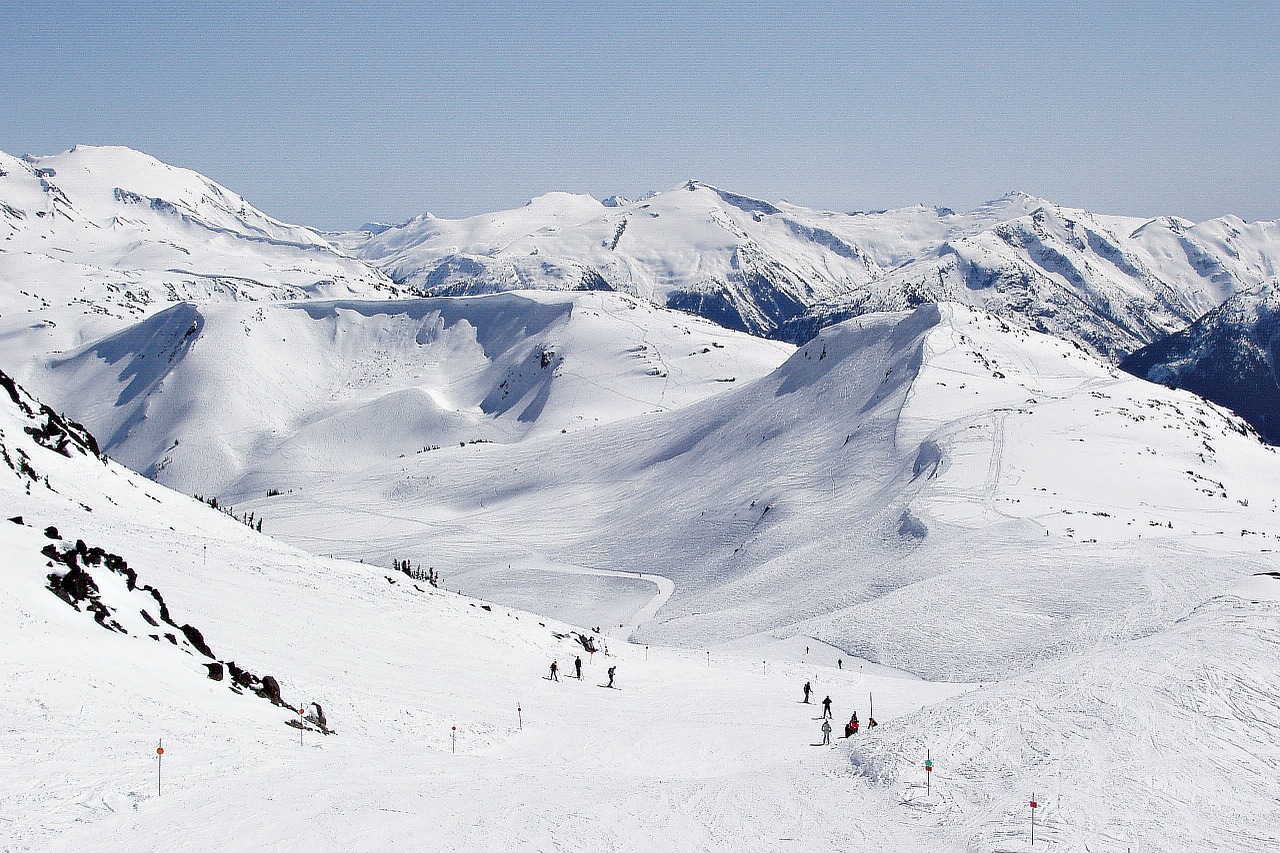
{"points": [[430, 576], [246, 518]]}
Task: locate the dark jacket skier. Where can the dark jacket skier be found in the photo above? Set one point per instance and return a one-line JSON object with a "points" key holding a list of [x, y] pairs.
{"points": [[611, 669], [577, 665], [826, 707], [555, 671], [807, 690]]}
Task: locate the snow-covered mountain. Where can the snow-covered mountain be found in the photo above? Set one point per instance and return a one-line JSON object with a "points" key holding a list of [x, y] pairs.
{"points": [[1024, 493], [1228, 356], [132, 617], [742, 262], [200, 396], [1112, 283], [97, 237]]}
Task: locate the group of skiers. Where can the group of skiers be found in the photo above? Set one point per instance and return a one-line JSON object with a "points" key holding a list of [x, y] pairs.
{"points": [[577, 667], [850, 728]]}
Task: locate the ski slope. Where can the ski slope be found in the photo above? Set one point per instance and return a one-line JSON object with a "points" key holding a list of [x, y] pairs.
{"points": [[1153, 743], [899, 471]]}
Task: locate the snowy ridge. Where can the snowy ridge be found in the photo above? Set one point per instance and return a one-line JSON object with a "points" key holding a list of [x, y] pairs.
{"points": [[198, 397], [1228, 356], [1112, 283], [96, 237]]}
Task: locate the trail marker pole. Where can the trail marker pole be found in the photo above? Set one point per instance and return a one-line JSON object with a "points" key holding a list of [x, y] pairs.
{"points": [[708, 657], [1034, 806], [646, 652], [453, 740], [520, 717], [928, 773], [872, 700], [159, 761], [765, 664], [302, 710]]}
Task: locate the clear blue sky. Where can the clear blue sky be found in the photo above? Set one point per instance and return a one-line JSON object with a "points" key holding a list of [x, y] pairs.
{"points": [[333, 114]]}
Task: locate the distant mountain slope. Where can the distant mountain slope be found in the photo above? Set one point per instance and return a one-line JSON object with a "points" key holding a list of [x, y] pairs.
{"points": [[1228, 356], [199, 396], [898, 470], [1112, 283], [97, 237], [746, 264]]}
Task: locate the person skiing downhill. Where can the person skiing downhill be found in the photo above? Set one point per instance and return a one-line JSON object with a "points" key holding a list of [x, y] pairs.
{"points": [[826, 732], [611, 669], [577, 665], [807, 690], [826, 707], [555, 671]]}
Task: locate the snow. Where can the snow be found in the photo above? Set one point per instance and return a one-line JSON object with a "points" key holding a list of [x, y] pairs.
{"points": [[235, 399], [112, 235], [1153, 742], [1112, 283], [1051, 578]]}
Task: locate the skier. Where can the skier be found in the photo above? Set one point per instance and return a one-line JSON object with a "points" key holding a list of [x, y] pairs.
{"points": [[826, 732], [826, 707], [611, 669], [807, 690], [555, 671], [839, 663], [871, 723], [577, 665]]}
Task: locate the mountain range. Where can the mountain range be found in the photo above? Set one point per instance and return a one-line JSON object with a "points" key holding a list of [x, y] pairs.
{"points": [[717, 447], [1113, 283]]}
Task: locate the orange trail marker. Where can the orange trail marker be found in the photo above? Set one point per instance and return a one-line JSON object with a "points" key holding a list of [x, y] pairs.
{"points": [[159, 761]]}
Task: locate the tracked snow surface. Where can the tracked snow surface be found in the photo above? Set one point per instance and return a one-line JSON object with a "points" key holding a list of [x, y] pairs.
{"points": [[1114, 283], [1030, 497], [1150, 729]]}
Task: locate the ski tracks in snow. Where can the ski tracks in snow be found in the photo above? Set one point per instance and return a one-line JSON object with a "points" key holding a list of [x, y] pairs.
{"points": [[645, 614]]}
